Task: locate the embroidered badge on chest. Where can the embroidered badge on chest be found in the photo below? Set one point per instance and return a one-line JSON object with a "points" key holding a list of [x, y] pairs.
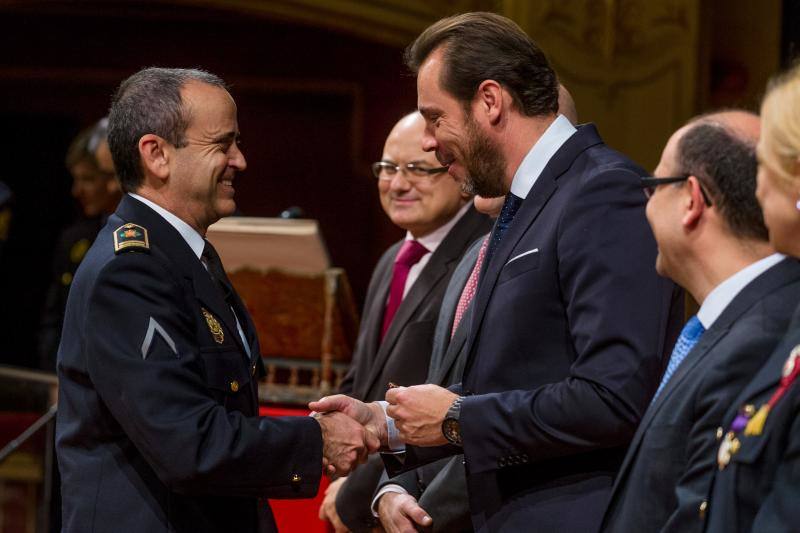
{"points": [[213, 326]]}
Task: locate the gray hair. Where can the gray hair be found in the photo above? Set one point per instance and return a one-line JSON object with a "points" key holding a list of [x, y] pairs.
{"points": [[149, 102]]}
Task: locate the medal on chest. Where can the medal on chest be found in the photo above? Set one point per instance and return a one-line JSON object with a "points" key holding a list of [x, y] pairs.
{"points": [[213, 326], [751, 422]]}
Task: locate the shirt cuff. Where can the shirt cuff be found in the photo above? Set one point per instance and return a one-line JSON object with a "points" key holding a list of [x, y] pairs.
{"points": [[391, 487], [393, 436]]}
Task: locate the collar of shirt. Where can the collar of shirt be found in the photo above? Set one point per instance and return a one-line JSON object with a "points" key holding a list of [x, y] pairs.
{"points": [[432, 240], [539, 155], [722, 295], [195, 241]]}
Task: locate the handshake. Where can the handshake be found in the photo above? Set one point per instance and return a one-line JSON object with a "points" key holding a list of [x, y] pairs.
{"points": [[352, 429]]}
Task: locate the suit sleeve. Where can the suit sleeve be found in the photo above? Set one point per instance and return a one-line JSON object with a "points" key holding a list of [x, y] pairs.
{"points": [[616, 309], [779, 511], [718, 392], [163, 403]]}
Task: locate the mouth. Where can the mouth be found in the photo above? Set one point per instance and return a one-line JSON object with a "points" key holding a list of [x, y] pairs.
{"points": [[444, 159], [227, 183]]}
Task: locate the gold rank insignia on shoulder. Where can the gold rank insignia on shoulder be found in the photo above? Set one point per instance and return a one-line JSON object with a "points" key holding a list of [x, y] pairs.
{"points": [[130, 237], [213, 326]]}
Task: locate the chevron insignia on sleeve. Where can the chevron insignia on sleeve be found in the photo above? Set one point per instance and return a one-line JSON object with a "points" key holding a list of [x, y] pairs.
{"points": [[154, 327]]}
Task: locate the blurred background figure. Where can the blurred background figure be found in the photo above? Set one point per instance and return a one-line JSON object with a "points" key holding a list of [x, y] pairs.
{"points": [[97, 191]]}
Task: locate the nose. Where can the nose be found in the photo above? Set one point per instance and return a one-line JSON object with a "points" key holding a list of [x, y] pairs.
{"points": [[429, 143], [237, 159], [399, 182]]}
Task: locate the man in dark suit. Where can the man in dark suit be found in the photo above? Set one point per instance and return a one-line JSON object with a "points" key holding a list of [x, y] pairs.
{"points": [[158, 426], [570, 322], [712, 241], [439, 489], [396, 334]]}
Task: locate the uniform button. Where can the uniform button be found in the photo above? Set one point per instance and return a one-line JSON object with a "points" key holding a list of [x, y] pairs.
{"points": [[749, 410], [234, 386], [296, 478], [253, 370], [720, 432], [702, 510]]}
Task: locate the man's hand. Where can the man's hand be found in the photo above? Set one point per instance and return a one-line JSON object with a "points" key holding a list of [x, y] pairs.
{"points": [[399, 512], [369, 415], [345, 442], [418, 413], [327, 511]]}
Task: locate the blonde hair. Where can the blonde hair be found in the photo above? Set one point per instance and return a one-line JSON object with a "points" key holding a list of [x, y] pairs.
{"points": [[779, 147]]}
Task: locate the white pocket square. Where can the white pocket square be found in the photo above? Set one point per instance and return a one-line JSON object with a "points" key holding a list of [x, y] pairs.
{"points": [[523, 254]]}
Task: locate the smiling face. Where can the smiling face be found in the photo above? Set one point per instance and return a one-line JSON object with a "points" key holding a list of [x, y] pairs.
{"points": [[427, 203], [458, 141], [202, 171], [664, 213]]}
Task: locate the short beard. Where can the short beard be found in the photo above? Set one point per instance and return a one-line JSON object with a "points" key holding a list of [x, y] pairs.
{"points": [[484, 163]]}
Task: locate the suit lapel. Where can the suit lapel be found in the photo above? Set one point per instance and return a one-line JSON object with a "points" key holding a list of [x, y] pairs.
{"points": [[441, 262], [531, 208], [769, 376], [451, 354], [430, 275], [769, 281]]}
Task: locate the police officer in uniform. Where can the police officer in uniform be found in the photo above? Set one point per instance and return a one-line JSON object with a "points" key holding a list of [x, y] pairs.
{"points": [[757, 482], [158, 428]]}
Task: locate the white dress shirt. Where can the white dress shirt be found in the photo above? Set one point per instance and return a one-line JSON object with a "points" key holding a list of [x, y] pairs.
{"points": [[722, 295]]}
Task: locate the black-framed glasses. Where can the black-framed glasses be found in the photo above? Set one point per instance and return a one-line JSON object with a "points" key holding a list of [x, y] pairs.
{"points": [[650, 183], [384, 170]]}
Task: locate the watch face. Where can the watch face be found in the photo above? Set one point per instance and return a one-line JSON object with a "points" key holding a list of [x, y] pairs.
{"points": [[451, 430]]}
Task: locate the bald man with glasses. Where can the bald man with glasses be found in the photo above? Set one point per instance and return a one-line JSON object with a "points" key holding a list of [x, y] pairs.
{"points": [[712, 241], [405, 292]]}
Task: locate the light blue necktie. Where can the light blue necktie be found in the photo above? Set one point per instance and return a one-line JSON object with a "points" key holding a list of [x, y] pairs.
{"points": [[690, 334]]}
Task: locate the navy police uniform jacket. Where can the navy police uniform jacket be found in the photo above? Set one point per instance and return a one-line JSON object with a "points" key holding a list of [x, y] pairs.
{"points": [[158, 428], [756, 484]]}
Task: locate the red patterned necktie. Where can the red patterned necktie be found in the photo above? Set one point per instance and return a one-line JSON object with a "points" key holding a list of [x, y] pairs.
{"points": [[409, 255], [469, 288]]}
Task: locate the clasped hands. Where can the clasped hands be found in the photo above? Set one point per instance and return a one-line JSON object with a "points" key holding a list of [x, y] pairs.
{"points": [[352, 429]]}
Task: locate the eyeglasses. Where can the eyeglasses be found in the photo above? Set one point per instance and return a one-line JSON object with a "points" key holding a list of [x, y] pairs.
{"points": [[650, 183], [383, 170]]}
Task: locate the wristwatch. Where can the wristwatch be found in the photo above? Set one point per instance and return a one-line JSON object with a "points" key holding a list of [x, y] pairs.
{"points": [[450, 425]]}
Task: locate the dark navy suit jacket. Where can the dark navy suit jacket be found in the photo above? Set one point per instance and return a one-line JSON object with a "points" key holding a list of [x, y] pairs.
{"points": [[759, 489], [668, 469], [570, 332], [164, 434]]}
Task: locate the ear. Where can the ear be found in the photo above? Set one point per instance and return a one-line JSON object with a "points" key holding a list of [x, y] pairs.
{"points": [[489, 100], [154, 152], [695, 205]]}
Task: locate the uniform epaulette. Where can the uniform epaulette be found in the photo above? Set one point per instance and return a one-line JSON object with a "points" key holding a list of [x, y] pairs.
{"points": [[130, 237]]}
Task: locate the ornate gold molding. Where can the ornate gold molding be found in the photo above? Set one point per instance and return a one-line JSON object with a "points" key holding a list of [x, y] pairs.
{"points": [[392, 22]]}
